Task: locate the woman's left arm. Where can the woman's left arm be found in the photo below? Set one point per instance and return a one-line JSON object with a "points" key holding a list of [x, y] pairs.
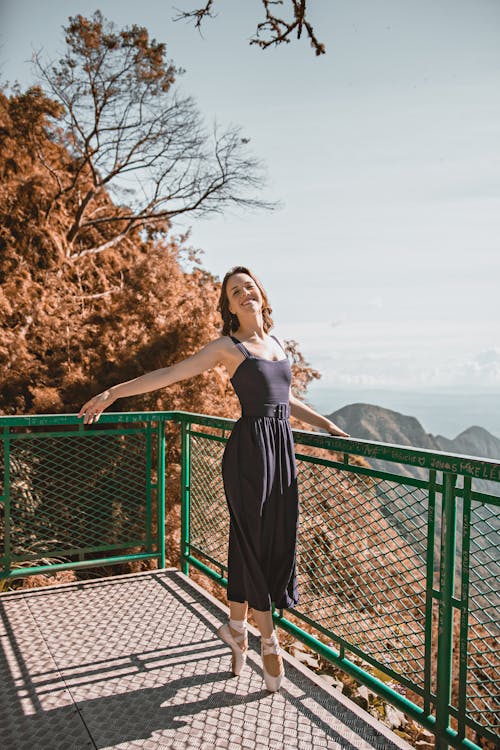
{"points": [[306, 414]]}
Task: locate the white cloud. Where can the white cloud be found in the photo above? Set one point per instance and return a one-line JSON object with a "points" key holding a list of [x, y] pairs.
{"points": [[399, 354], [393, 371], [483, 369], [375, 302]]}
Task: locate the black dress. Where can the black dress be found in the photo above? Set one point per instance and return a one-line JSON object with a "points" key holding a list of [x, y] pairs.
{"points": [[260, 483]]}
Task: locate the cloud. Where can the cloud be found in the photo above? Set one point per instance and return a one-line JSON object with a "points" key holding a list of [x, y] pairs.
{"points": [[377, 302], [482, 369], [398, 369], [400, 353]]}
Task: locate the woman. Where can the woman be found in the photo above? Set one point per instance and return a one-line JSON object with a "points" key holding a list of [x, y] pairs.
{"points": [[258, 465]]}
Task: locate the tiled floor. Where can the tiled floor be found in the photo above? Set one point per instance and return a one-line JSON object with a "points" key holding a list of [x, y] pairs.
{"points": [[134, 662]]}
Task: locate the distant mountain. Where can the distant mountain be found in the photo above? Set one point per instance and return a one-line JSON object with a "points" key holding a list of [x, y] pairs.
{"points": [[474, 441], [371, 422]]}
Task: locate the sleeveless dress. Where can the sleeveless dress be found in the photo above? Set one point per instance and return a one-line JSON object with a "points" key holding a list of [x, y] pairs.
{"points": [[260, 483]]}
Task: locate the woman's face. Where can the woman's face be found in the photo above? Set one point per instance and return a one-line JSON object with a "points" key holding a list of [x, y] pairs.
{"points": [[243, 294]]}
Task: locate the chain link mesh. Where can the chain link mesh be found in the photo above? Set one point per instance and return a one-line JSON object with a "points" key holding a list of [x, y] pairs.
{"points": [[359, 576], [483, 662], [209, 516], [72, 494]]}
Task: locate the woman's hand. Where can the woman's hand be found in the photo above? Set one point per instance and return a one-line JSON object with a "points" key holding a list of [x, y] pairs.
{"points": [[93, 408], [334, 430]]}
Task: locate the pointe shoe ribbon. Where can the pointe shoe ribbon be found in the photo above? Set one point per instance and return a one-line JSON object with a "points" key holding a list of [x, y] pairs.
{"points": [[273, 682], [239, 647]]}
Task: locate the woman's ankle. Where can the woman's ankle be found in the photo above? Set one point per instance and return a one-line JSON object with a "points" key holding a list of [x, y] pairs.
{"points": [[239, 625], [273, 636], [271, 645]]}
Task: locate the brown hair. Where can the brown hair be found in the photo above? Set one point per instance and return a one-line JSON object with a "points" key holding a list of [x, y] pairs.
{"points": [[230, 321]]}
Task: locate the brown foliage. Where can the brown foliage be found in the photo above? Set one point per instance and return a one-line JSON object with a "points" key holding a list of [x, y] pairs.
{"points": [[70, 328]]}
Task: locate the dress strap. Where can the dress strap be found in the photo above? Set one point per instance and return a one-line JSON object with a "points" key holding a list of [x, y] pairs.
{"points": [[241, 346], [274, 337]]}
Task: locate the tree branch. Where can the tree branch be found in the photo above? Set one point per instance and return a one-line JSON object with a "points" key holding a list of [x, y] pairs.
{"points": [[278, 28], [123, 117]]}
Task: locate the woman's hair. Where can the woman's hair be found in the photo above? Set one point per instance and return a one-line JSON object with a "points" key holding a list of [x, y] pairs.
{"points": [[230, 321]]}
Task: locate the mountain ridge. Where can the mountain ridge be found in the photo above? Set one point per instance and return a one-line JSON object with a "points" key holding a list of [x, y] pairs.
{"points": [[380, 424]]}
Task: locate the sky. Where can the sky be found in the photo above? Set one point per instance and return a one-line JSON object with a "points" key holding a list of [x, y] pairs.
{"points": [[383, 260]]}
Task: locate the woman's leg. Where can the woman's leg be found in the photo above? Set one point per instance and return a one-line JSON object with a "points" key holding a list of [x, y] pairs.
{"points": [[238, 610], [264, 622]]}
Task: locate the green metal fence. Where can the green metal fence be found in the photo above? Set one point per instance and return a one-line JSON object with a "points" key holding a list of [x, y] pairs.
{"points": [[77, 496], [398, 560], [398, 567]]}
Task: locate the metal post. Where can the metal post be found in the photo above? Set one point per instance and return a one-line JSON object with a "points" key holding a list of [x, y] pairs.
{"points": [[185, 492], [161, 493], [149, 521], [6, 501], [464, 604], [445, 626]]}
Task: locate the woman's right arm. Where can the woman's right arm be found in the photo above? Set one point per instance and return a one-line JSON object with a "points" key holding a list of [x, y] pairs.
{"points": [[207, 357]]}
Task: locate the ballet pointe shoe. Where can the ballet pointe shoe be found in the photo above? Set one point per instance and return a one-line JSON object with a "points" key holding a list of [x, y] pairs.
{"points": [[239, 646], [272, 662]]}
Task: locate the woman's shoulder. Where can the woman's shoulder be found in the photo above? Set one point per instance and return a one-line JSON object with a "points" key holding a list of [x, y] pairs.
{"points": [[223, 344], [225, 340]]}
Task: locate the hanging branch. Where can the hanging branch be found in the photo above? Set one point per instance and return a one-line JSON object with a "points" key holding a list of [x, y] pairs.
{"points": [[278, 29]]}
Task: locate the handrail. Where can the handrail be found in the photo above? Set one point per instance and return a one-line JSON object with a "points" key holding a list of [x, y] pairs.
{"points": [[473, 466]]}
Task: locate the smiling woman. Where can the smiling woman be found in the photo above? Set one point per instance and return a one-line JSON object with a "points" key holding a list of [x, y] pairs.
{"points": [[258, 465]]}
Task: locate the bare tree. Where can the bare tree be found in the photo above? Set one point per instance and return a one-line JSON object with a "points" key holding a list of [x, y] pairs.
{"points": [[134, 135], [278, 29]]}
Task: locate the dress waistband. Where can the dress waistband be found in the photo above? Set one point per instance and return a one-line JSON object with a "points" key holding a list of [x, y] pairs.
{"points": [[280, 411]]}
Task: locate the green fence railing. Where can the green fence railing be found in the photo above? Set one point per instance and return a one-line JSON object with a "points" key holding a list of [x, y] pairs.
{"points": [[398, 556], [77, 496]]}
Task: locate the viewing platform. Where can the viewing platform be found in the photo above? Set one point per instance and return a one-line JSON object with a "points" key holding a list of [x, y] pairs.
{"points": [[134, 662], [398, 568]]}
